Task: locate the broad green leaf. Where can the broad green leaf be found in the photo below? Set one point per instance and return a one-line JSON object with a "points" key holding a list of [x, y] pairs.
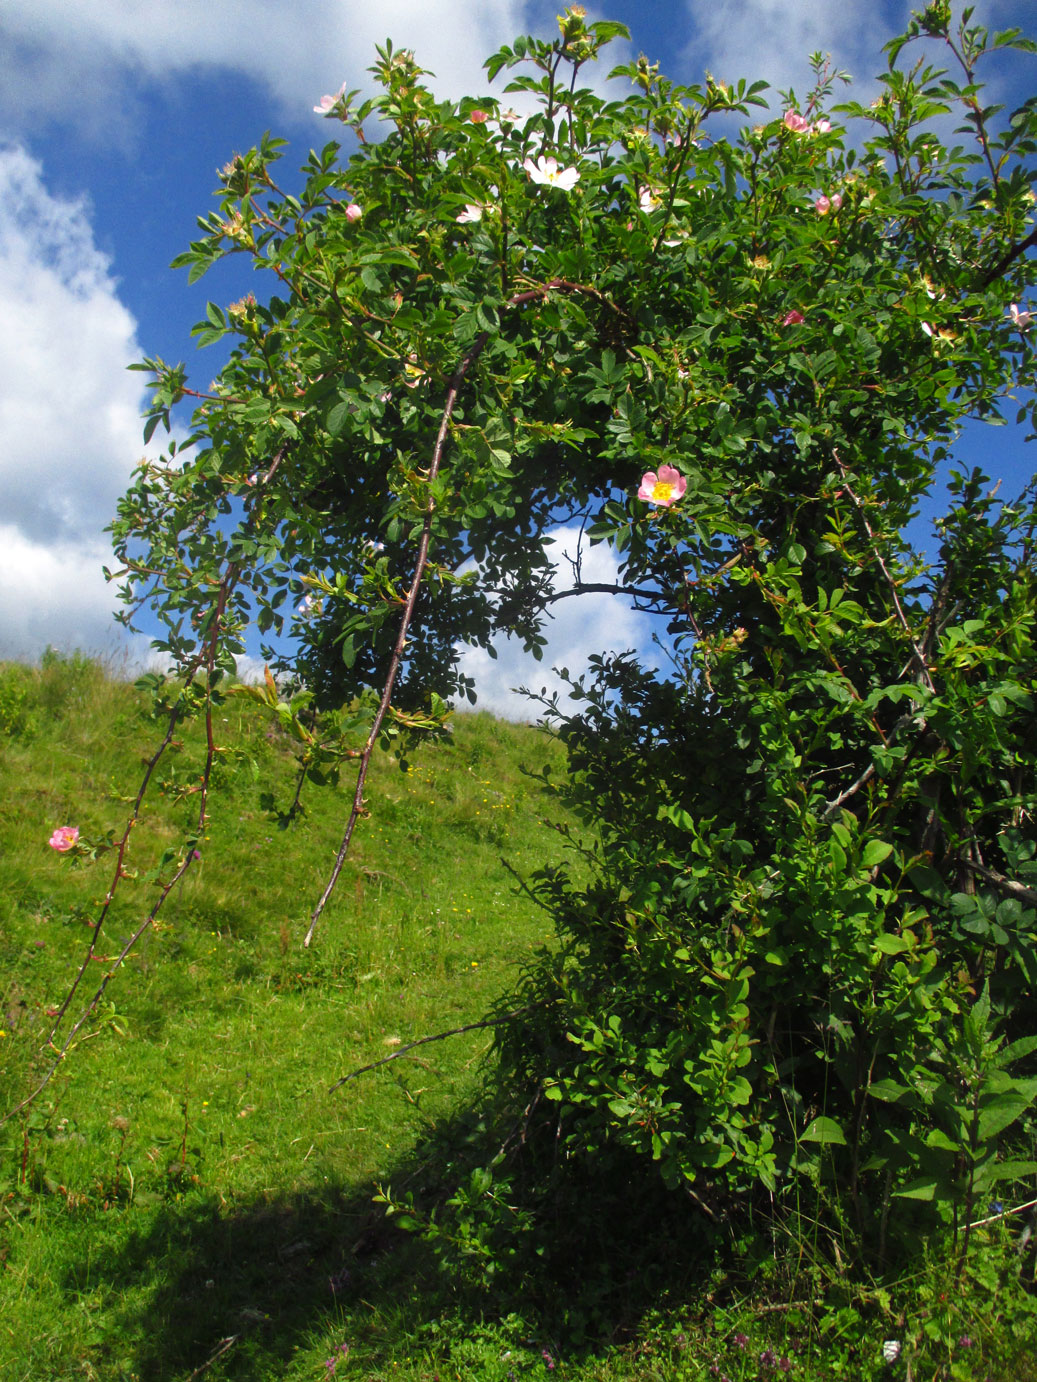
{"points": [[825, 1130]]}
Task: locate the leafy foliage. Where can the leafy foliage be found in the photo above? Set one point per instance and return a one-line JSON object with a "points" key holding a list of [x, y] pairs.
{"points": [[807, 953]]}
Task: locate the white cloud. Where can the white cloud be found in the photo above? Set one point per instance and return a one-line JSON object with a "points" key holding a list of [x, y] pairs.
{"points": [[581, 626], [69, 417], [75, 56], [53, 593], [773, 39]]}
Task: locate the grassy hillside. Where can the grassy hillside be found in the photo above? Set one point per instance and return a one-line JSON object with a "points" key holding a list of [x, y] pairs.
{"points": [[188, 1199], [194, 1134]]}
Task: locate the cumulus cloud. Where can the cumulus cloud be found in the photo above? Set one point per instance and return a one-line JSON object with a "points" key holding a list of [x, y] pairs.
{"points": [[773, 39], [69, 416], [64, 55], [582, 626]]}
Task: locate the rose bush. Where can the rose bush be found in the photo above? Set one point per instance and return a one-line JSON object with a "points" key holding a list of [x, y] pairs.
{"points": [[806, 952]]}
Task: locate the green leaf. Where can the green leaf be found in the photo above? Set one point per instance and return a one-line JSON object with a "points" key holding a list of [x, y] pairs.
{"points": [[874, 853], [923, 1189], [893, 945], [888, 1091], [1003, 1110], [338, 416], [824, 1130]]}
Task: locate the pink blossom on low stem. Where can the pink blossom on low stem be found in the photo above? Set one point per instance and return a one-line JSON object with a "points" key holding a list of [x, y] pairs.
{"points": [[471, 213], [823, 205], [793, 318], [353, 212], [64, 838], [837, 200], [795, 122], [822, 126], [477, 117], [664, 488]]}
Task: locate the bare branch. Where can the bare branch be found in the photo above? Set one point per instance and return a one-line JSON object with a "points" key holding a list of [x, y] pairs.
{"points": [[833, 806], [441, 1036], [603, 588], [1008, 886]]}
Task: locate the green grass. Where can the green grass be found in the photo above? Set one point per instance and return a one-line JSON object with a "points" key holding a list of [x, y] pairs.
{"points": [[186, 1198]]}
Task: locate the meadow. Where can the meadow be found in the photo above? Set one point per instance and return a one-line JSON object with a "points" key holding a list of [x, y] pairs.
{"points": [[188, 1197]]}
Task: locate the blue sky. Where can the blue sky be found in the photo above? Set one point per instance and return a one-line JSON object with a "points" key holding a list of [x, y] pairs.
{"points": [[114, 116]]}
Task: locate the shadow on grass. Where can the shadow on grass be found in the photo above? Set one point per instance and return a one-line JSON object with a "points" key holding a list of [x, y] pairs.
{"points": [[234, 1292]]}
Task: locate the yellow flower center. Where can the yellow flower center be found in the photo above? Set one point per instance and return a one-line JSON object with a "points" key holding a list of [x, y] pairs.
{"points": [[662, 492]]}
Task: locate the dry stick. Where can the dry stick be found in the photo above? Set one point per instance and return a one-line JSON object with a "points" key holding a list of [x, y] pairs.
{"points": [[441, 1036], [401, 638], [854, 787], [225, 1344]]}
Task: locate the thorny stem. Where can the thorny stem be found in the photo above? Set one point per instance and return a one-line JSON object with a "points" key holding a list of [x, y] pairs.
{"points": [[149, 768], [675, 180], [564, 285], [401, 637], [168, 887], [974, 108], [919, 656], [208, 657]]}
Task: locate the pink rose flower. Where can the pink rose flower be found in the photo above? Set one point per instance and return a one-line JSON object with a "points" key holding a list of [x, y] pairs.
{"points": [[822, 126], [795, 122], [823, 205], [471, 213], [793, 318], [477, 117], [664, 488], [1021, 320], [64, 838], [353, 212], [327, 104]]}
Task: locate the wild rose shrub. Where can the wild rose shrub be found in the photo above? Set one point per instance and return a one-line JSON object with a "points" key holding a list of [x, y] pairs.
{"points": [[808, 946]]}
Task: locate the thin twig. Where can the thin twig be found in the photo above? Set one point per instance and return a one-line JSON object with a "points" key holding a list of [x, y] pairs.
{"points": [[441, 1036], [787, 1305], [565, 285], [604, 588], [225, 1344], [91, 949], [836, 802], [993, 1218]]}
